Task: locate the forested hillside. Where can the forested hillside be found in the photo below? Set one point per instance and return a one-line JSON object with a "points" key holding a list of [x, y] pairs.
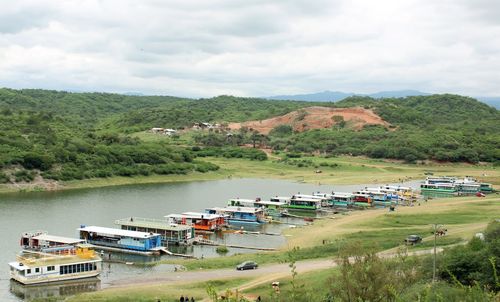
{"points": [[183, 113], [67, 136], [440, 127], [53, 134]]}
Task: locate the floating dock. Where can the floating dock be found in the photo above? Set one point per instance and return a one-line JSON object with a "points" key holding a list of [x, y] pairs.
{"points": [[203, 241]]}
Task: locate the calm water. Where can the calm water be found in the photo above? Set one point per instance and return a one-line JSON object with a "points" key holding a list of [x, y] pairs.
{"points": [[61, 213]]}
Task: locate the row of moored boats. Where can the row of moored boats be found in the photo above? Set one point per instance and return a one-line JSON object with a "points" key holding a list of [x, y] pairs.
{"points": [[47, 258]]}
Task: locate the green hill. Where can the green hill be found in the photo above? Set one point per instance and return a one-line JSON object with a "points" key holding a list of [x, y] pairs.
{"points": [[66, 136]]}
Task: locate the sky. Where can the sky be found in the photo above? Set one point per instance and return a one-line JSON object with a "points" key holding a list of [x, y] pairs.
{"points": [[200, 48]]}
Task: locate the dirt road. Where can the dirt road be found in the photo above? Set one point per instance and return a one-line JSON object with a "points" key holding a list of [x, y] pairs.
{"points": [[266, 273]]}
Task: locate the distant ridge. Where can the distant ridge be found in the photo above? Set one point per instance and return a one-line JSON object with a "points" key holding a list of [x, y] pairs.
{"points": [[492, 101], [334, 96]]}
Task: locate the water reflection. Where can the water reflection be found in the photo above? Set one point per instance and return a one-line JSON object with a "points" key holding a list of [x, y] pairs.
{"points": [[54, 290]]}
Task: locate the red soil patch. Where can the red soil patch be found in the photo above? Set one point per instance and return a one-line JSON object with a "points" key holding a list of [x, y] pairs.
{"points": [[315, 118]]}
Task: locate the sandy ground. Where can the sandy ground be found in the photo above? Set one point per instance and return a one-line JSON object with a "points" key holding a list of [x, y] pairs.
{"points": [[315, 117]]}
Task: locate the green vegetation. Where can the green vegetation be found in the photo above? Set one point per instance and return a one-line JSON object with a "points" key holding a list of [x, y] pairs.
{"points": [[363, 275], [376, 229], [464, 272], [222, 250], [73, 136], [54, 135], [164, 293], [440, 127]]}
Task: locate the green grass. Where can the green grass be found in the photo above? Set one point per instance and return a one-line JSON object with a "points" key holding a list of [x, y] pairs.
{"points": [[378, 240], [314, 282], [448, 218], [350, 170], [164, 292]]}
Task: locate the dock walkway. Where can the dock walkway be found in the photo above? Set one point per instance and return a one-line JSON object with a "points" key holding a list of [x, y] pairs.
{"points": [[203, 241], [164, 250]]}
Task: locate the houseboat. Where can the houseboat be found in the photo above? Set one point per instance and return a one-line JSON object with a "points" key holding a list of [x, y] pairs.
{"points": [[309, 204], [199, 221], [485, 188], [271, 208], [362, 199], [239, 215], [406, 193], [284, 199], [467, 188], [440, 179], [451, 186], [171, 233], [43, 242], [447, 189], [323, 197], [343, 200], [121, 240], [378, 197], [34, 267]]}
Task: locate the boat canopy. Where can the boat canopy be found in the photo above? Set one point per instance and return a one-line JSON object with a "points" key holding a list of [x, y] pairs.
{"points": [[237, 210], [194, 215], [58, 239], [117, 232], [342, 195]]}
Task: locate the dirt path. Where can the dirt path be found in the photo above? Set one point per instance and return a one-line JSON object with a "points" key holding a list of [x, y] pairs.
{"points": [[266, 273]]}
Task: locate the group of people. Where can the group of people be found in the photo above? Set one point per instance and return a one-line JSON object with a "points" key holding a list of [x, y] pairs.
{"points": [[186, 299]]}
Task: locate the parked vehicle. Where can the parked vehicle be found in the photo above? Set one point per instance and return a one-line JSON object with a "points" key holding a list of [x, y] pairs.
{"points": [[413, 239], [247, 265]]}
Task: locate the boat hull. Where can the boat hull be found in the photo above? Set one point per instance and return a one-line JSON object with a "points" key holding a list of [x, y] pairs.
{"points": [[55, 278]]}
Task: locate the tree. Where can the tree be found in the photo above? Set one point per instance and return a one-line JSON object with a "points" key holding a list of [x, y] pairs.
{"points": [[364, 276]]}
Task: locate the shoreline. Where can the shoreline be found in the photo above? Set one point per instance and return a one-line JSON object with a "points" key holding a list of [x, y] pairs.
{"points": [[350, 170]]}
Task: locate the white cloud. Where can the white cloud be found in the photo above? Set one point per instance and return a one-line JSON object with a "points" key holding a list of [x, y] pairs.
{"points": [[241, 47]]}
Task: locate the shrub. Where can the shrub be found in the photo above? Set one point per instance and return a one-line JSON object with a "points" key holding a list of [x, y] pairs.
{"points": [[4, 178], [40, 161]]}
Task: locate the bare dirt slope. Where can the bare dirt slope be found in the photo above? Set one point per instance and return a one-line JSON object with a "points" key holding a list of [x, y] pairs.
{"points": [[315, 117]]}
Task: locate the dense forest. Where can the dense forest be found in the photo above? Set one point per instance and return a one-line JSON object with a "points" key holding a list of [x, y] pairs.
{"points": [[66, 136]]}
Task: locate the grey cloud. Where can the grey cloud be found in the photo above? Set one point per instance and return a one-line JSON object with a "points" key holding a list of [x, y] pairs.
{"points": [[247, 47], [16, 20]]}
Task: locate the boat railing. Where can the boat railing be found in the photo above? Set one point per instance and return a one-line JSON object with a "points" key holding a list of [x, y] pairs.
{"points": [[140, 219]]}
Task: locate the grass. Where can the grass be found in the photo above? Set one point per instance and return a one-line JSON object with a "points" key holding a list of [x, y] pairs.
{"points": [[338, 170], [314, 282], [350, 170], [163, 292], [378, 229]]}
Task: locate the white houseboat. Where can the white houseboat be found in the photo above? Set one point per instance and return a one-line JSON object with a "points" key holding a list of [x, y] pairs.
{"points": [[34, 267]]}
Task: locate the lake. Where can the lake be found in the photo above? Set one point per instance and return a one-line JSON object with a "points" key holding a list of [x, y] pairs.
{"points": [[61, 213]]}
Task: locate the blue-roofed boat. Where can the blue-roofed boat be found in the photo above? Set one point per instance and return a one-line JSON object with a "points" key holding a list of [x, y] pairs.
{"points": [[121, 240], [239, 215]]}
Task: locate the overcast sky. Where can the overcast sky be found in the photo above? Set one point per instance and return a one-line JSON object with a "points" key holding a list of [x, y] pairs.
{"points": [[251, 48]]}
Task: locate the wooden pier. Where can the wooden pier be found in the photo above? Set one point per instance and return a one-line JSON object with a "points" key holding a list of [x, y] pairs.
{"points": [[164, 250], [203, 241]]}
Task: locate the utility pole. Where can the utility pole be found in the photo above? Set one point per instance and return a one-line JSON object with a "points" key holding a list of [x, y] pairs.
{"points": [[436, 226]]}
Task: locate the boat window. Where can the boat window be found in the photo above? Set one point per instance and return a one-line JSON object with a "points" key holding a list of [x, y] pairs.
{"points": [[37, 270], [50, 268], [28, 271]]}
